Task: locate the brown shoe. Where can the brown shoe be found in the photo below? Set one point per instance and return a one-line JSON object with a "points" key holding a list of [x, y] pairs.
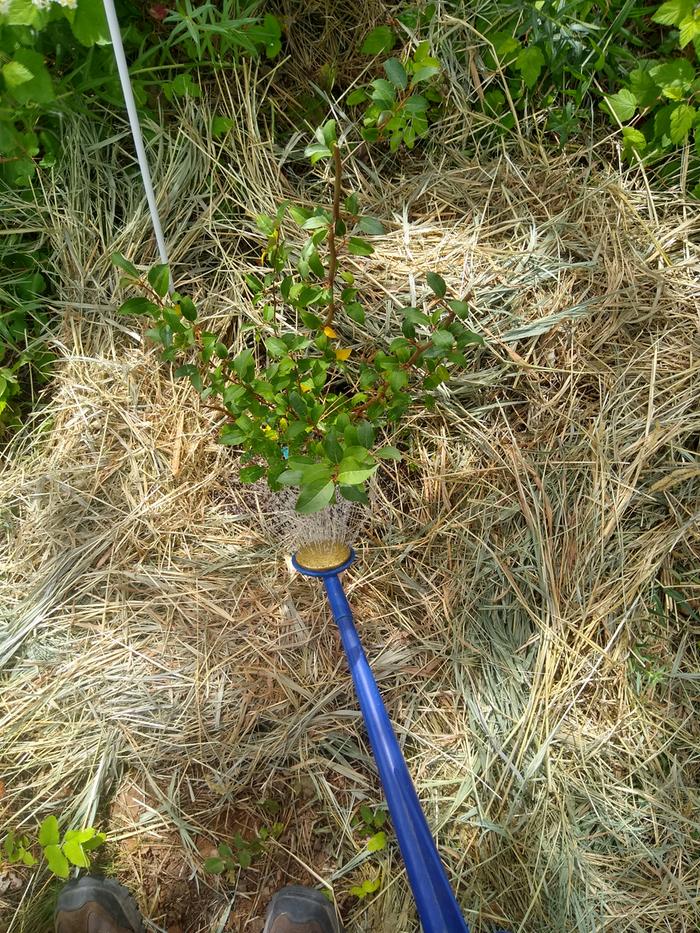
{"points": [[96, 905], [300, 910]]}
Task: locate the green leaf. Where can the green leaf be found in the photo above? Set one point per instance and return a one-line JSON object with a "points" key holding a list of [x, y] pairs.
{"points": [[371, 226], [27, 858], [359, 247], [159, 279], [681, 122], [424, 73], [416, 104], [396, 73], [422, 54], [529, 63], [505, 45], [15, 74], [622, 106], [267, 34], [352, 204], [460, 308], [139, 305], [397, 379], [9, 845], [380, 39], [188, 308], [89, 24], [328, 133], [689, 30], [442, 339], [244, 858], [315, 472], [377, 842], [73, 851], [380, 818], [632, 141], [365, 434], [314, 497], [384, 94], [366, 814], [355, 312], [265, 224], [469, 336], [290, 478], [97, 840], [80, 835], [317, 151], [215, 866], [672, 12], [355, 450], [20, 13], [220, 126], [675, 78], [369, 887], [358, 96], [388, 453], [183, 85], [353, 473], [276, 347], [354, 494], [437, 284], [644, 87], [251, 474], [244, 365], [121, 263], [37, 89], [315, 223], [231, 436], [332, 446], [56, 860], [48, 832]]}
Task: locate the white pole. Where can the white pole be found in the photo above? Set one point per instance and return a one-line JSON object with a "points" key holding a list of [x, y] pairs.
{"points": [[123, 69]]}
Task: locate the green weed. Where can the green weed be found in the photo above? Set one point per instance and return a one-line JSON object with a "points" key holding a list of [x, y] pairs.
{"points": [[59, 852]]}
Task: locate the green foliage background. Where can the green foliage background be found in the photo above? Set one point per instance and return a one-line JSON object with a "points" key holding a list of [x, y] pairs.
{"points": [[559, 72]]}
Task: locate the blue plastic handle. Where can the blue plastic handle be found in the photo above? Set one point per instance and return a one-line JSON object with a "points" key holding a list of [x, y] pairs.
{"points": [[437, 908]]}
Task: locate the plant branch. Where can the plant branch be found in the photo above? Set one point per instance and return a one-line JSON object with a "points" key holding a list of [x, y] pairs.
{"points": [[332, 246]]}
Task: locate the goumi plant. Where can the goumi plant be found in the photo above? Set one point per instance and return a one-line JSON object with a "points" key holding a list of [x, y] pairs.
{"points": [[302, 406]]}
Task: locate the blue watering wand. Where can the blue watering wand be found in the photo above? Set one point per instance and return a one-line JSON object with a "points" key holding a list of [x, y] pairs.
{"points": [[437, 908]]}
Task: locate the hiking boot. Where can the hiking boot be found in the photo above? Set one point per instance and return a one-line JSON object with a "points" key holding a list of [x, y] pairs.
{"points": [[96, 905], [300, 910]]}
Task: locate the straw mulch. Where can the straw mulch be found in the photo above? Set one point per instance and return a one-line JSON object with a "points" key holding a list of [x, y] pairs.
{"points": [[527, 590]]}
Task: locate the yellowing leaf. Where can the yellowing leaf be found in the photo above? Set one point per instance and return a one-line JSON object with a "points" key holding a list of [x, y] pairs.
{"points": [[329, 332], [342, 355], [306, 386]]}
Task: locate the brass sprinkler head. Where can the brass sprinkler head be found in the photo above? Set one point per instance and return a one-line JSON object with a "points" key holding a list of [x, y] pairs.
{"points": [[321, 556]]}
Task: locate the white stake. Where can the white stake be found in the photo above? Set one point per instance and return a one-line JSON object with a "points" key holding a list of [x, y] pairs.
{"points": [[123, 69]]}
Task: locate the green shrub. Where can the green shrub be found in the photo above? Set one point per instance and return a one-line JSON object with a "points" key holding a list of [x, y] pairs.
{"points": [[303, 407]]}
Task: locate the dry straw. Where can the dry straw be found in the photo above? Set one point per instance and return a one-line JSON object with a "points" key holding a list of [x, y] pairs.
{"points": [[527, 588]]}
